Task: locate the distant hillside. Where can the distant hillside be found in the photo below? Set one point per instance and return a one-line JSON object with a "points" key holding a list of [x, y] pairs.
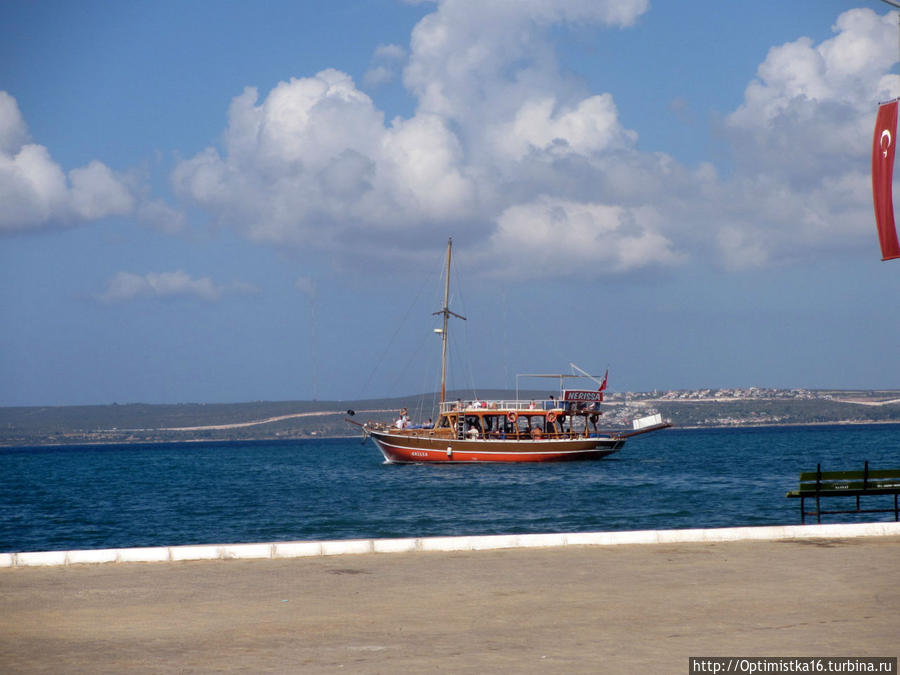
{"points": [[139, 422]]}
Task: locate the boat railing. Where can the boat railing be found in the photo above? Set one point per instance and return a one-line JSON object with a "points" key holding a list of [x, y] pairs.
{"points": [[502, 405]]}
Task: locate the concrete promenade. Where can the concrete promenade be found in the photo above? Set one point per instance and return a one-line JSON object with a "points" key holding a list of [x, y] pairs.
{"points": [[628, 607]]}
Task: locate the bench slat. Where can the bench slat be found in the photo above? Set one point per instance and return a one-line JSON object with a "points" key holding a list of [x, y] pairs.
{"points": [[851, 475], [810, 494], [830, 486]]}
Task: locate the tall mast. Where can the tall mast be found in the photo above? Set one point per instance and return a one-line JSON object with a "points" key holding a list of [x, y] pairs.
{"points": [[446, 313]]}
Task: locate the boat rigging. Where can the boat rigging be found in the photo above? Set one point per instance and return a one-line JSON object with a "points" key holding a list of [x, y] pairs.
{"points": [[505, 430]]}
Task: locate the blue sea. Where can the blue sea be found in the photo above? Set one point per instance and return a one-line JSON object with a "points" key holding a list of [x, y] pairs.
{"points": [[82, 497]]}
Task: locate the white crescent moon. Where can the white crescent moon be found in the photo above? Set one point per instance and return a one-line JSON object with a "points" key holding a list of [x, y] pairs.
{"points": [[884, 133]]}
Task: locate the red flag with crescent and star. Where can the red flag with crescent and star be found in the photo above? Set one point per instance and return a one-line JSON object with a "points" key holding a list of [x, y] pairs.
{"points": [[883, 177]]}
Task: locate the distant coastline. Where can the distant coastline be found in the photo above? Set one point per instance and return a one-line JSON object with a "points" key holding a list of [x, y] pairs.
{"points": [[264, 420]]}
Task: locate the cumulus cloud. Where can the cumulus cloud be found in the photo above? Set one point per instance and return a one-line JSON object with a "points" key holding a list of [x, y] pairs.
{"points": [[507, 149], [36, 193], [314, 162], [13, 132], [96, 192], [469, 58], [386, 63], [581, 238], [802, 138], [818, 98], [590, 127], [126, 286]]}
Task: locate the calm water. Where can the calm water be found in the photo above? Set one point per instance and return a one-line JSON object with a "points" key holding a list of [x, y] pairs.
{"points": [[125, 496]]}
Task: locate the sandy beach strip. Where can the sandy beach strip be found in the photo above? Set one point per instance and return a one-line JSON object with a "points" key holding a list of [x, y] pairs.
{"points": [[622, 608]]}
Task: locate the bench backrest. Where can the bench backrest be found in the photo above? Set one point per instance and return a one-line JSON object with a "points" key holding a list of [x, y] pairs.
{"points": [[867, 479]]}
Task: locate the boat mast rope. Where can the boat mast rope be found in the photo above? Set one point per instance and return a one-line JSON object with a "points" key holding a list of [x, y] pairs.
{"points": [[390, 343], [465, 351]]}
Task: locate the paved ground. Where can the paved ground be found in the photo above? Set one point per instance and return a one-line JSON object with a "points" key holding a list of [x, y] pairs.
{"points": [[616, 609]]}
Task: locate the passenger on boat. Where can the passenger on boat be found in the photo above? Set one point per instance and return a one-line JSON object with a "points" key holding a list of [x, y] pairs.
{"points": [[527, 427], [551, 404]]}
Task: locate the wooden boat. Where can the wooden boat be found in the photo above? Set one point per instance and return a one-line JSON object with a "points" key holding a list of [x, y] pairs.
{"points": [[504, 430]]}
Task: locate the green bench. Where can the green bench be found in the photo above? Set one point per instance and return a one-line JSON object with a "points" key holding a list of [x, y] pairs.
{"points": [[819, 484]]}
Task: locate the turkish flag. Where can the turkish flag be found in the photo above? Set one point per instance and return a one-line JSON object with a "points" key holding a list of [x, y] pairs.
{"points": [[882, 178], [603, 384]]}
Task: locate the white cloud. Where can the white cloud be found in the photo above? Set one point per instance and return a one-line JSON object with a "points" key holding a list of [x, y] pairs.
{"points": [[505, 148], [802, 140], [126, 286], [13, 132], [32, 189], [315, 158], [590, 127], [378, 75], [96, 192], [422, 162], [470, 57], [819, 98], [394, 53], [508, 151], [161, 216], [299, 158], [35, 192], [314, 162], [386, 62], [577, 238]]}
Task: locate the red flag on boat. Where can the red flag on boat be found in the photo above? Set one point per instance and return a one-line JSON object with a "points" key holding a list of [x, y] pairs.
{"points": [[883, 177], [603, 384]]}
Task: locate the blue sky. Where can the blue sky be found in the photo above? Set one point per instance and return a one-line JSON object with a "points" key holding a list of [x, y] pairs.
{"points": [[233, 201]]}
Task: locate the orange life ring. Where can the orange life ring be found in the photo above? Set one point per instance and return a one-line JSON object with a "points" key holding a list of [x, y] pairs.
{"points": [[512, 416], [551, 417]]}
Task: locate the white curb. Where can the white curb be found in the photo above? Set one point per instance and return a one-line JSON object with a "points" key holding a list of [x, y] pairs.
{"points": [[300, 549], [150, 554]]}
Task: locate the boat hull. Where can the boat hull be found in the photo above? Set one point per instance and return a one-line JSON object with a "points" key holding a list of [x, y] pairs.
{"points": [[413, 449]]}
